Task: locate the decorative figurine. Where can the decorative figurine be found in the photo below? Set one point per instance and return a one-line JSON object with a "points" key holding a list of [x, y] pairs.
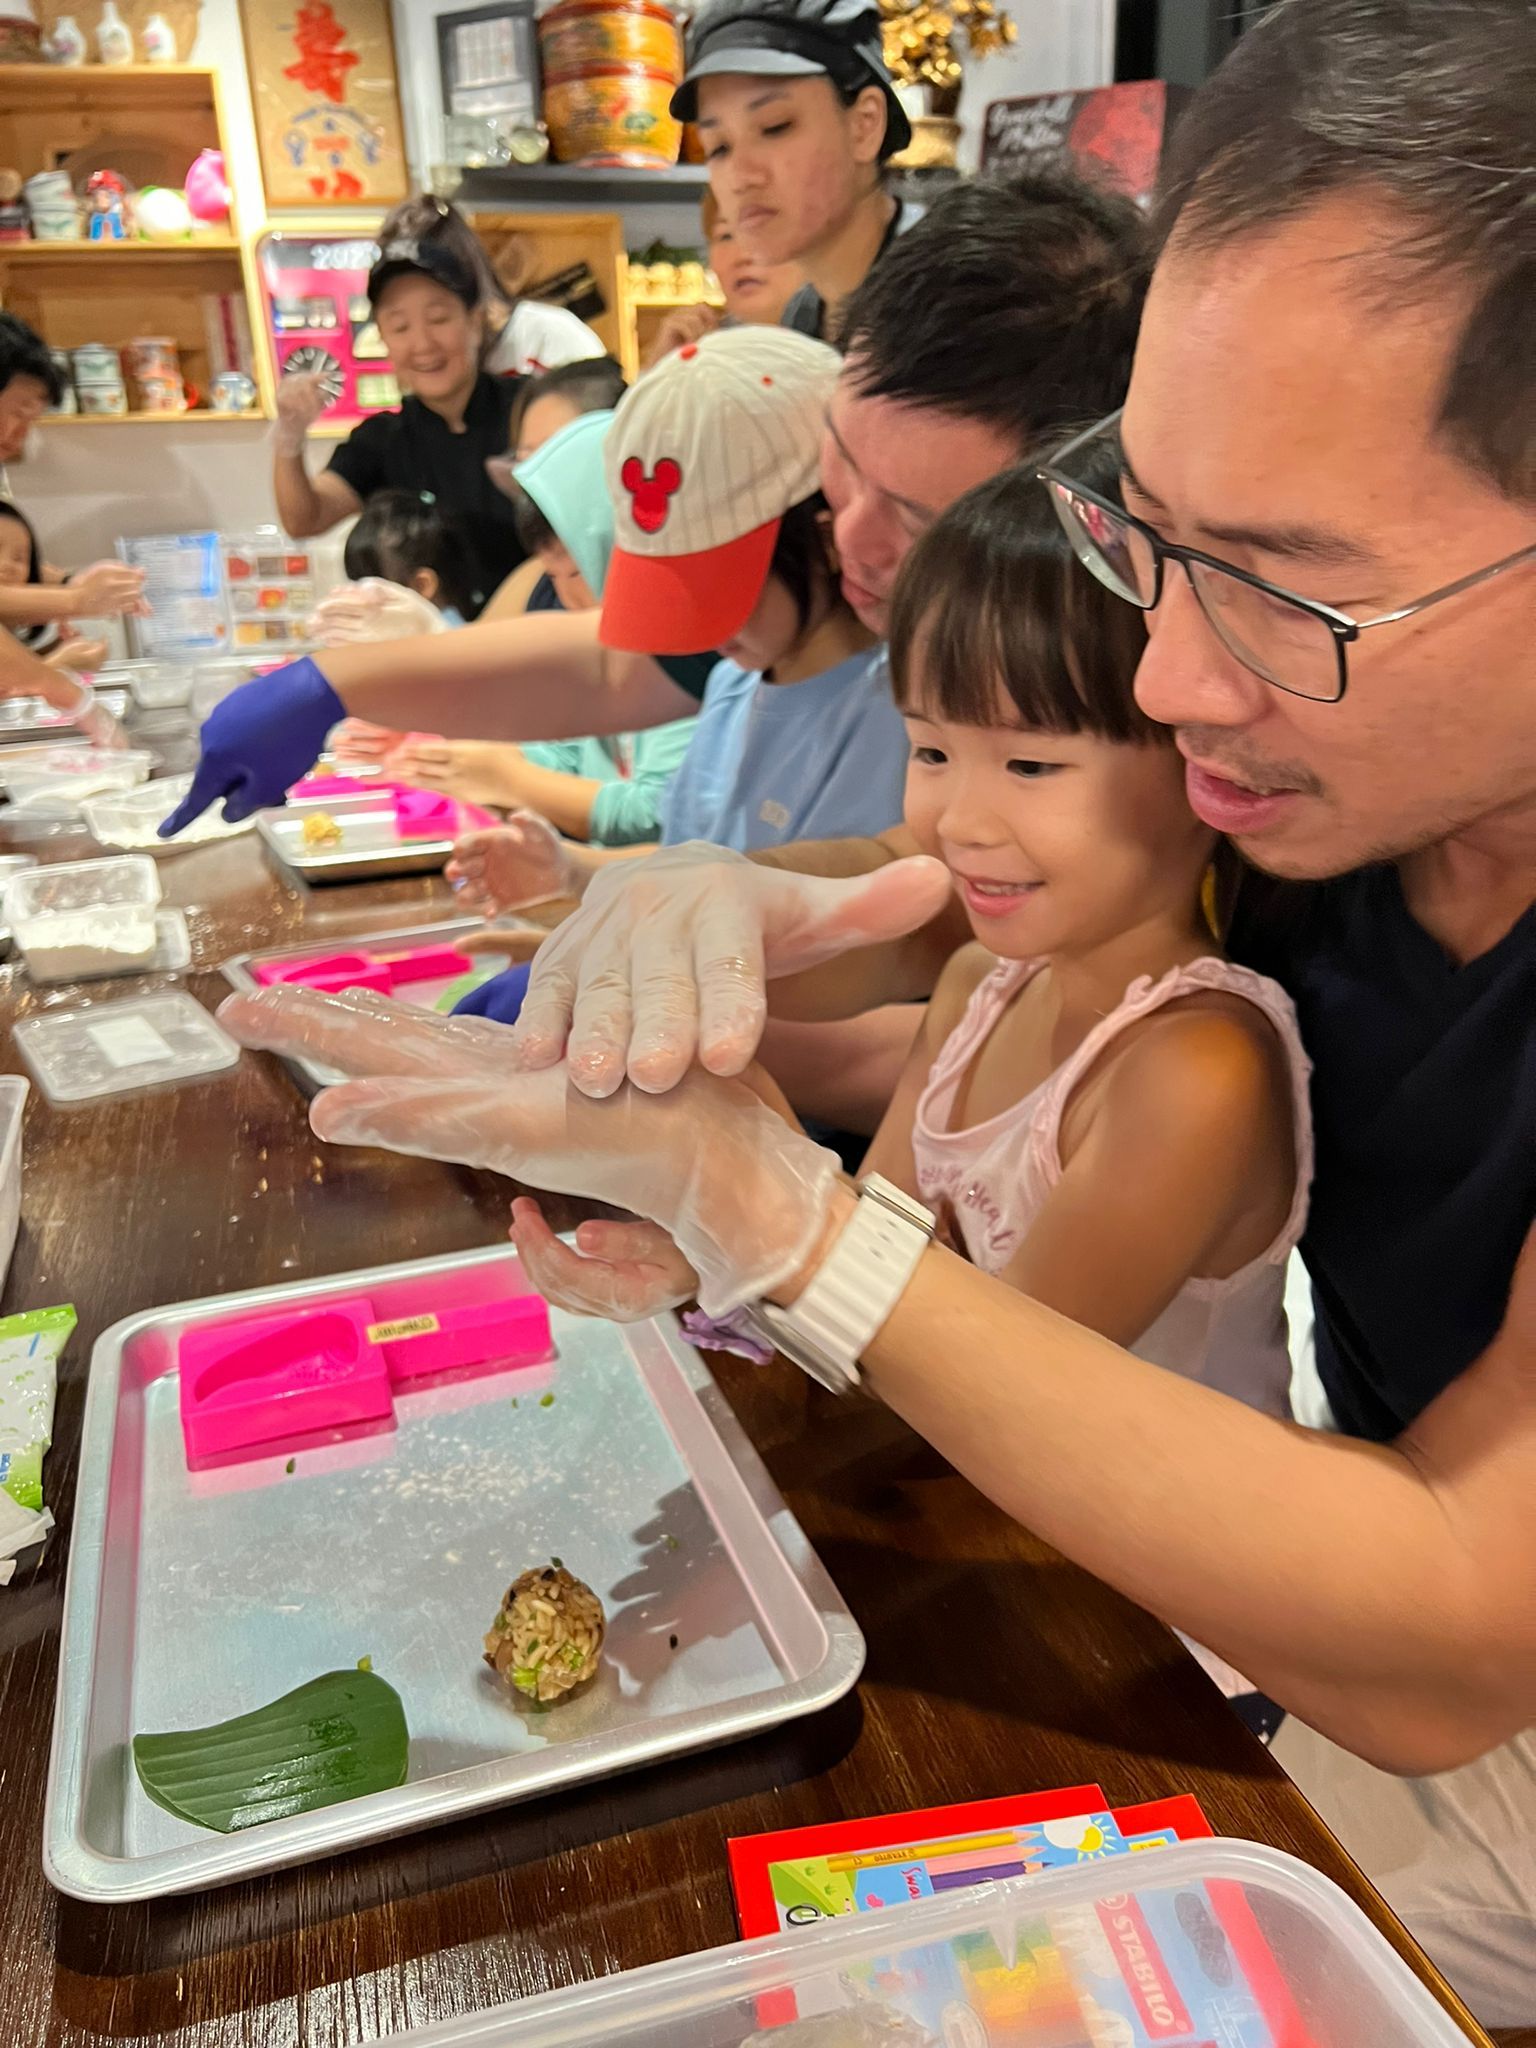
{"points": [[108, 197]]}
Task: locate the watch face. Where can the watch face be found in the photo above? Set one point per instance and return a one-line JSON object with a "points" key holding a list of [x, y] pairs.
{"points": [[309, 356]]}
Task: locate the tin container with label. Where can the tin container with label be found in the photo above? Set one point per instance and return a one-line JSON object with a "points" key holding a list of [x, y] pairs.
{"points": [[99, 379]]}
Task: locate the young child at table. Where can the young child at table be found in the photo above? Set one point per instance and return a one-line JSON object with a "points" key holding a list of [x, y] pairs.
{"points": [[607, 791], [403, 537], [713, 466], [1100, 1108], [22, 569]]}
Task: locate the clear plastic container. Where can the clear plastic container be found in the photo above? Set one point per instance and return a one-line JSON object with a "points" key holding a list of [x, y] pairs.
{"points": [[1209, 1941], [106, 1049], [11, 864], [61, 777], [85, 917], [153, 685], [13, 1108], [129, 818], [212, 681]]}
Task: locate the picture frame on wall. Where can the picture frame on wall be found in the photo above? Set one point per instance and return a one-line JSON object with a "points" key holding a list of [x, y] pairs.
{"points": [[488, 61], [326, 101]]}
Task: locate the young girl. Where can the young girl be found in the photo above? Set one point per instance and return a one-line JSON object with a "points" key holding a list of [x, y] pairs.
{"points": [[609, 791], [1099, 1107], [403, 537], [37, 600], [712, 467]]}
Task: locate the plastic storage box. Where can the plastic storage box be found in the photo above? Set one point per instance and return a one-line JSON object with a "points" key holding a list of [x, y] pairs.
{"points": [[66, 775], [153, 685], [129, 818], [108, 1048], [85, 917], [13, 1108], [1210, 1942]]}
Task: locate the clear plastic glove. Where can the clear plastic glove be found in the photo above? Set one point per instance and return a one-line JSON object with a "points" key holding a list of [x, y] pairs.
{"points": [[745, 1197], [357, 741], [670, 955], [507, 866], [258, 742], [625, 1272], [372, 610], [300, 401], [109, 590], [71, 693]]}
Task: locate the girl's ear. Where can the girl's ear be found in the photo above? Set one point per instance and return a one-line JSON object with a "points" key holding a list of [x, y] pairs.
{"points": [[867, 119], [426, 583]]}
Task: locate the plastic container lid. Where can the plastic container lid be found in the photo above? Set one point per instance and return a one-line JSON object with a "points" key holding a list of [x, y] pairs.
{"points": [[129, 818], [108, 1048], [1209, 1941], [152, 684], [41, 777]]}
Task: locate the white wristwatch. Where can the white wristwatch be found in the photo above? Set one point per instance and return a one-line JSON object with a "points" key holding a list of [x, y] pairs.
{"points": [[861, 1280]]}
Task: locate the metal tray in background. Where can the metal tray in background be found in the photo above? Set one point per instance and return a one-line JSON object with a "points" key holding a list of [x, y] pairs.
{"points": [[24, 719], [398, 1547], [370, 849], [240, 972]]}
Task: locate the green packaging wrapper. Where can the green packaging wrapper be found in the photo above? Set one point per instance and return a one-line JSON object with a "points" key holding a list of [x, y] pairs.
{"points": [[30, 1346]]}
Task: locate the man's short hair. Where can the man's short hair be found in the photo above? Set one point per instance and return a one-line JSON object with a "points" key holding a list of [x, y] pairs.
{"points": [[25, 354], [1013, 302], [1432, 105]]}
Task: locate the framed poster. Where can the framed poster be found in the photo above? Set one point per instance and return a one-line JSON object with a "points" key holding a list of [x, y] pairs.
{"points": [[488, 60], [327, 108], [1112, 132]]}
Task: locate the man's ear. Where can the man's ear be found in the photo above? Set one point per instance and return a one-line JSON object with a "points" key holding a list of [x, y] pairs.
{"points": [[867, 119]]}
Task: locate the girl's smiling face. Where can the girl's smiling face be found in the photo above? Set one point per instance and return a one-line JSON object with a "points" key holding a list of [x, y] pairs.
{"points": [[1058, 843], [15, 553]]}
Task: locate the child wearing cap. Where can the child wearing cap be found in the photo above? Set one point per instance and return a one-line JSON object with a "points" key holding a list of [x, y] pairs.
{"points": [[722, 541], [798, 116]]}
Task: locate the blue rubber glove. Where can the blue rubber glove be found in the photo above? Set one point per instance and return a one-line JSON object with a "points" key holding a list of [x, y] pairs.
{"points": [[258, 742], [500, 998]]}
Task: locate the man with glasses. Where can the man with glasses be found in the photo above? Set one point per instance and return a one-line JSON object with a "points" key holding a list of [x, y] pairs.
{"points": [[1328, 513]]}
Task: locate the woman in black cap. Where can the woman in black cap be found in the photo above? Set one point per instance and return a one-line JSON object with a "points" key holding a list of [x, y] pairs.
{"points": [[429, 303], [798, 116]]}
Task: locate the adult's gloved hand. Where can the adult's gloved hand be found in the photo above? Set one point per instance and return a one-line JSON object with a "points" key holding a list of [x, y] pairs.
{"points": [[501, 998], [670, 955], [258, 741], [745, 1197]]}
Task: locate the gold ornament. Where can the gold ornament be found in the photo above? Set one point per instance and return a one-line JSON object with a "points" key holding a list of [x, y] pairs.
{"points": [[923, 40]]}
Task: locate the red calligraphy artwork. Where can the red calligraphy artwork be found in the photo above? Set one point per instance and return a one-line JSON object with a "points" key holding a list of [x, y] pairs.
{"points": [[323, 61]]}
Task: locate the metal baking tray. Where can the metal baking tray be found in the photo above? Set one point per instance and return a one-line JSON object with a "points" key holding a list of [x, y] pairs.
{"points": [[34, 718], [240, 972], [370, 848], [398, 1547]]}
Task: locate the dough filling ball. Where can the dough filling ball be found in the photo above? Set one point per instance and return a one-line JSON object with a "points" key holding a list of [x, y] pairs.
{"points": [[548, 1635]]}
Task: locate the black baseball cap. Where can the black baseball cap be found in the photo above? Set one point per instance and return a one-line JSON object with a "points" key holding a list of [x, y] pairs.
{"points": [[836, 39], [428, 258]]}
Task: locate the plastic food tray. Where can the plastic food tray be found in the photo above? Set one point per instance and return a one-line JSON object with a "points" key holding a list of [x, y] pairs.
{"points": [[973, 1967], [399, 1547], [34, 718], [370, 848], [129, 817], [137, 1042], [240, 973]]}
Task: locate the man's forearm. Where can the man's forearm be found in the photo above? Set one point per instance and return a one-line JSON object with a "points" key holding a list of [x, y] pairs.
{"points": [[540, 677], [1336, 1574]]}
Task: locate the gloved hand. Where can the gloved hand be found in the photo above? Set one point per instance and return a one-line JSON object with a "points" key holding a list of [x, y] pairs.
{"points": [[372, 609], [300, 401], [500, 998], [625, 1272], [258, 741], [746, 1198], [670, 954], [68, 692], [523, 861], [108, 590]]}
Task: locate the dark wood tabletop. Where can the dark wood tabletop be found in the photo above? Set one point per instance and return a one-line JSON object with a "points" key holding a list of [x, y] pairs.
{"points": [[136, 1202]]}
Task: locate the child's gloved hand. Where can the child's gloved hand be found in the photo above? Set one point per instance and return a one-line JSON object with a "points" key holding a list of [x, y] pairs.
{"points": [[625, 1272], [523, 861], [670, 955], [372, 609], [745, 1198], [359, 741]]}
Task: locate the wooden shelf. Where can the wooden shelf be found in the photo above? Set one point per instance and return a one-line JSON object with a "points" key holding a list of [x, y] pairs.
{"points": [[49, 88], [202, 417], [42, 252], [526, 185]]}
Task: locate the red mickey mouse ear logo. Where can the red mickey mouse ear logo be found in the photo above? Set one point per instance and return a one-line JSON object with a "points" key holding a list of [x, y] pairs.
{"points": [[649, 494]]}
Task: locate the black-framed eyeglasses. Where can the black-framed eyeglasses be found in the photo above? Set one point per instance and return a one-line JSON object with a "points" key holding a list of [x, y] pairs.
{"points": [[1291, 641]]}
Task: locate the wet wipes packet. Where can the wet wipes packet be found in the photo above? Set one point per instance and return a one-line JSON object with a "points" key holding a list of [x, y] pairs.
{"points": [[30, 1346]]}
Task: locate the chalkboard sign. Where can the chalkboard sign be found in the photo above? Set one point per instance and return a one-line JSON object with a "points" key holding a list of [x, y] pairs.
{"points": [[1114, 132]]}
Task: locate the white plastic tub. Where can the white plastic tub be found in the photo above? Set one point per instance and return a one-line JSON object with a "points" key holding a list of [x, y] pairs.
{"points": [[81, 918], [130, 818]]}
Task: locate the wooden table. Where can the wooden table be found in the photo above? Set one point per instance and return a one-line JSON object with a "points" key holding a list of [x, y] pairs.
{"points": [[216, 1186]]}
